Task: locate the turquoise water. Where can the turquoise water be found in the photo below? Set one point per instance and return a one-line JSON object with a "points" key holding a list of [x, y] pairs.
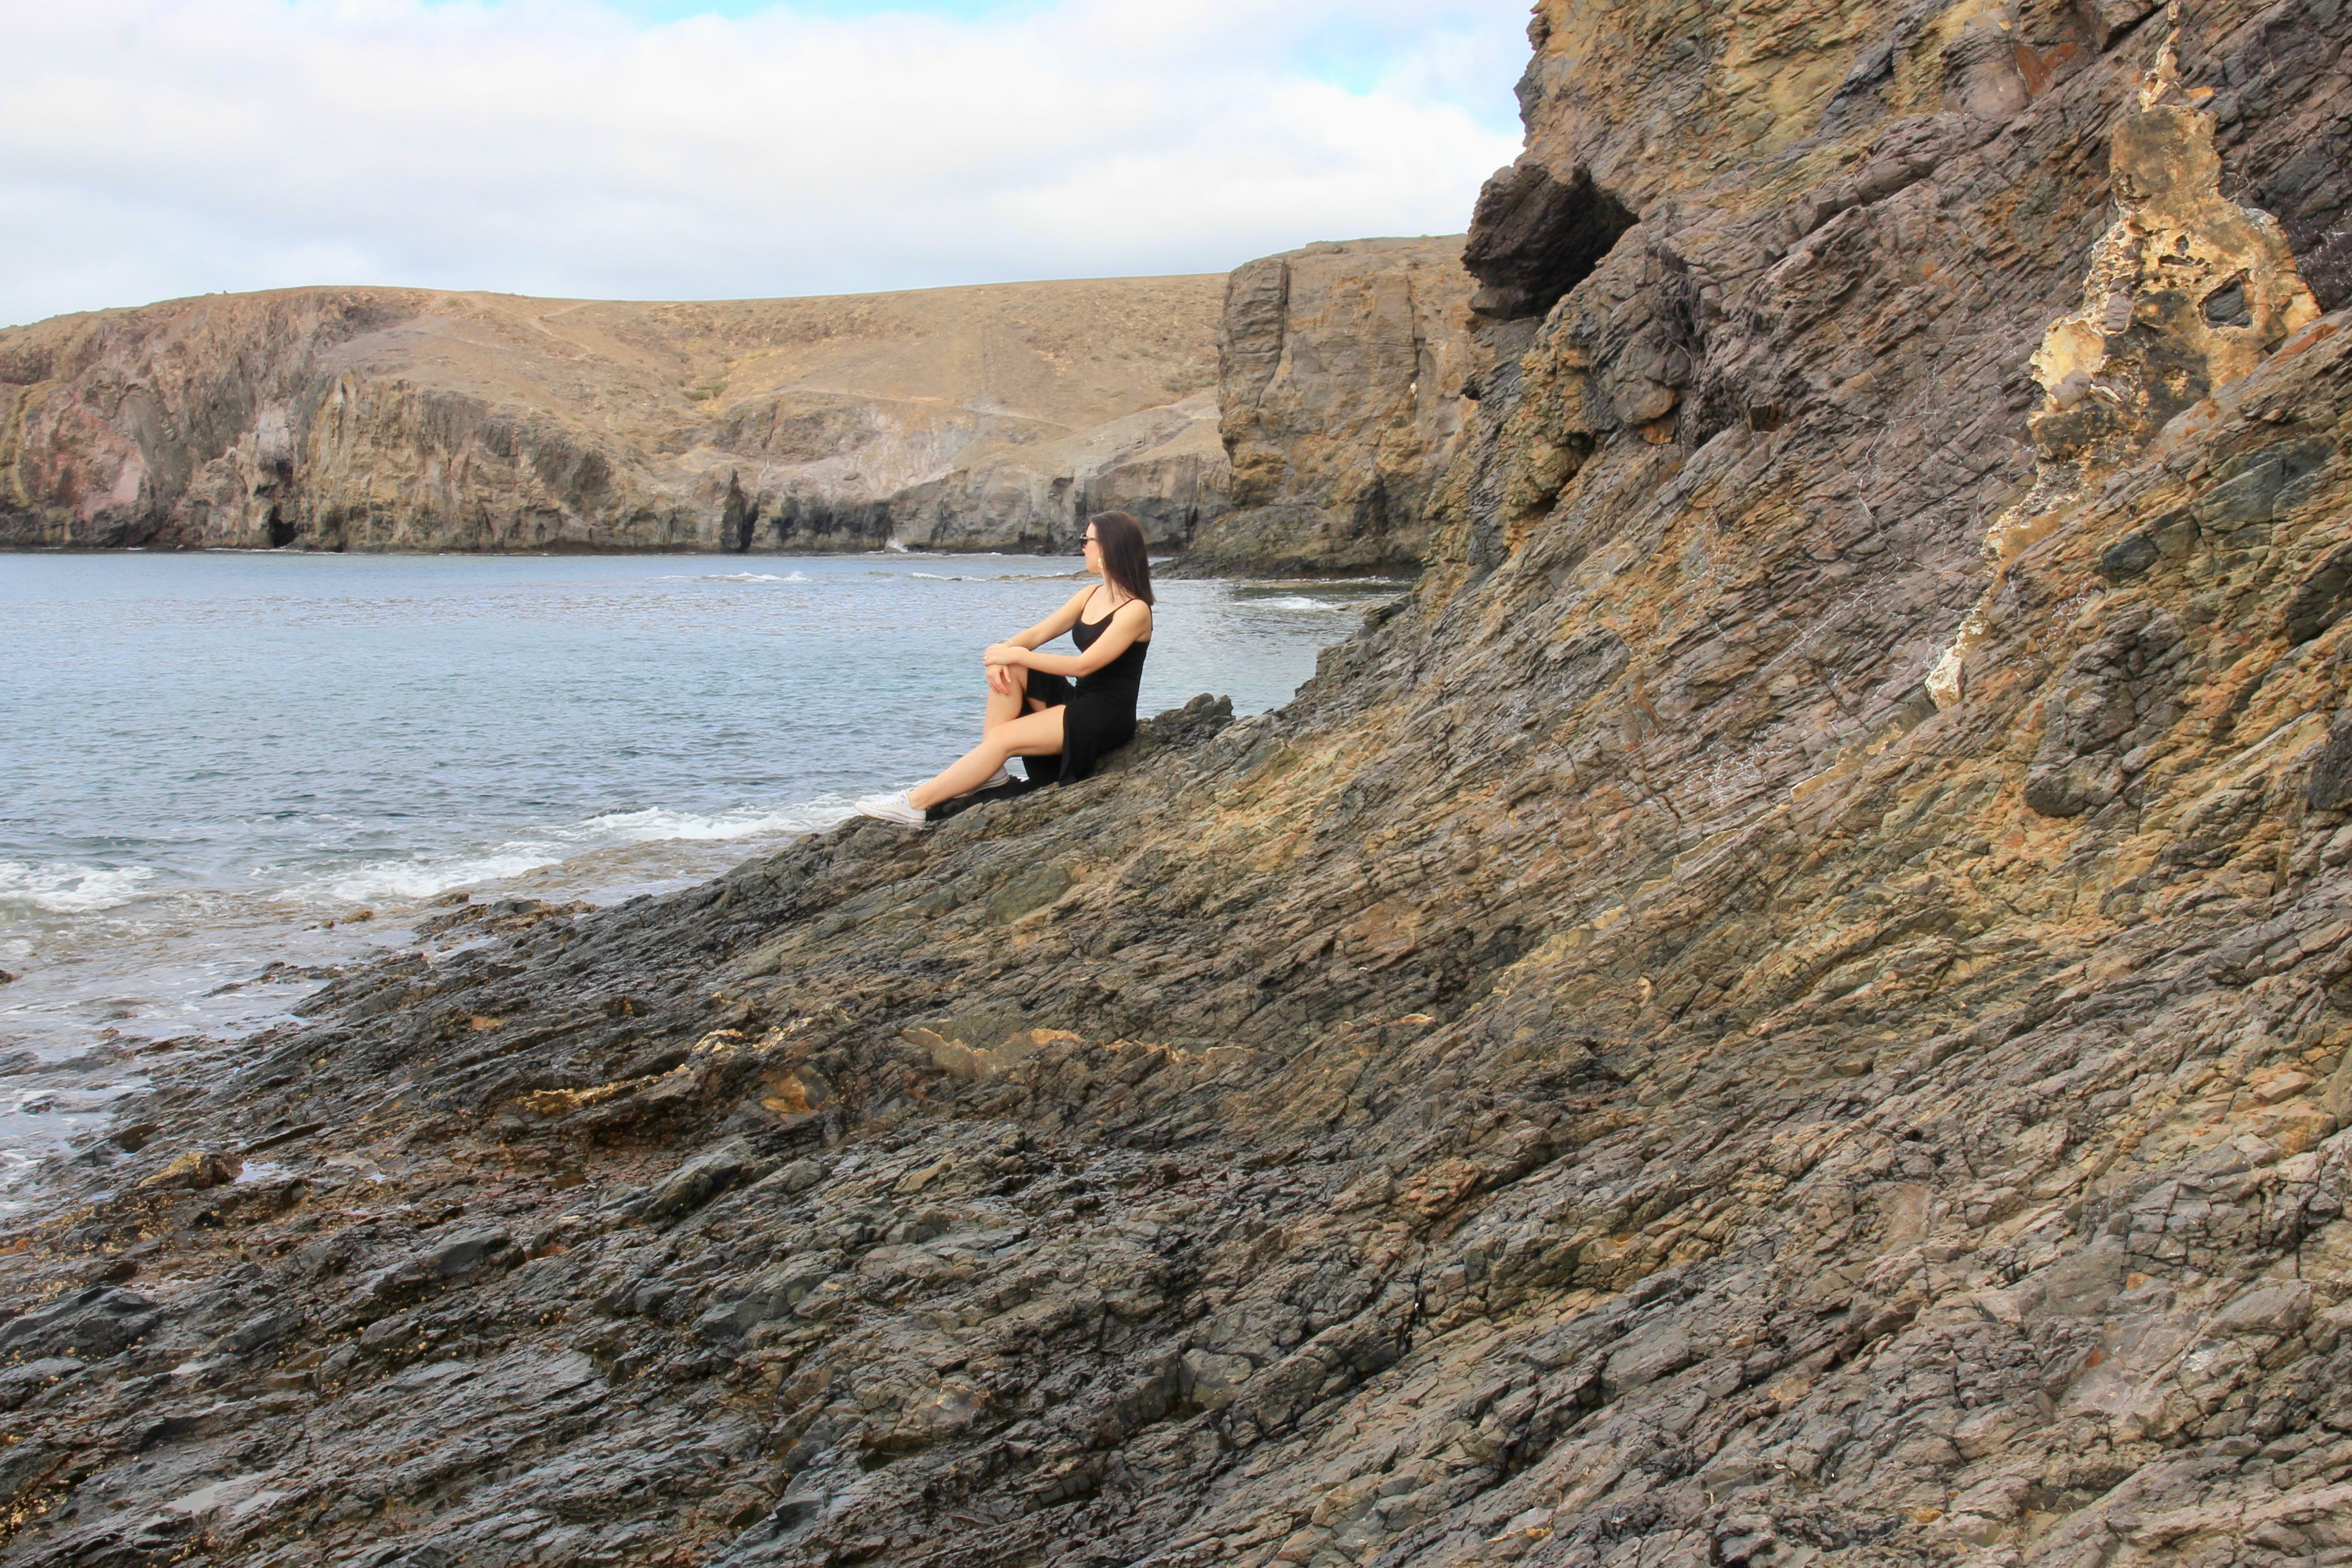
{"points": [[210, 757]]}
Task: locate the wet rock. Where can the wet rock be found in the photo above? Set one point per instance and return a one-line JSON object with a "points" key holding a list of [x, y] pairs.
{"points": [[465, 1252], [24, 1466], [392, 1333], [87, 1325], [701, 1179], [32, 1378], [260, 1332]]}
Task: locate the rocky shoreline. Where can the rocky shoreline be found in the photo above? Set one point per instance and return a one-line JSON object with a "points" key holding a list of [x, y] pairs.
{"points": [[1789, 1006]]}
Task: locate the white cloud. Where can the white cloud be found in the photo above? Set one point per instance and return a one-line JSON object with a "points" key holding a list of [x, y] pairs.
{"points": [[165, 147]]}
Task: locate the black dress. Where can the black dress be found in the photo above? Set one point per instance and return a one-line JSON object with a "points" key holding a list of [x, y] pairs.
{"points": [[1097, 719], [1098, 709]]}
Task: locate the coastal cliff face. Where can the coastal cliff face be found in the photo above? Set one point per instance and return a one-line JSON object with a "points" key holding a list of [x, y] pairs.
{"points": [[1343, 373], [1788, 1006], [989, 418], [381, 418]]}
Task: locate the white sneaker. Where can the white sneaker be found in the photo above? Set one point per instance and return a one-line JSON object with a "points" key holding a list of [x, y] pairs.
{"points": [[894, 808], [1002, 775]]}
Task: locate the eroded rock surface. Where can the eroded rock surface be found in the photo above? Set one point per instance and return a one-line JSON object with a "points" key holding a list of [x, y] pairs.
{"points": [[1342, 376], [384, 418], [1617, 1073]]}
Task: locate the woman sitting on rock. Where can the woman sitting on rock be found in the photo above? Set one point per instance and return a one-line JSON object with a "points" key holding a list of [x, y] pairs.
{"points": [[1064, 711]]}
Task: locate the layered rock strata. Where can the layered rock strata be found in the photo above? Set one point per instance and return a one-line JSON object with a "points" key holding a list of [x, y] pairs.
{"points": [[1626, 1069], [379, 418], [1343, 378]]}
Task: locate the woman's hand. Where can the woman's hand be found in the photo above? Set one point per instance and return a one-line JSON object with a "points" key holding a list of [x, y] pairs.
{"points": [[1007, 666]]}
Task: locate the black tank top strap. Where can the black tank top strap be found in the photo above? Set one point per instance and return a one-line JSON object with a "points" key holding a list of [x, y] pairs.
{"points": [[1085, 631], [1124, 673]]}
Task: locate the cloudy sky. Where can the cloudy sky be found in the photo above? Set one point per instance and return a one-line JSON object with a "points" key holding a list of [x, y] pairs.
{"points": [[712, 149]]}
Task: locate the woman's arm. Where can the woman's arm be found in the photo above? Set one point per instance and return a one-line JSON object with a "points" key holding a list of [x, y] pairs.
{"points": [[1053, 626], [1129, 624], [997, 658]]}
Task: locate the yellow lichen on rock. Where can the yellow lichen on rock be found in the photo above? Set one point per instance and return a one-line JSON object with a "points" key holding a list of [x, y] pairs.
{"points": [[2186, 292]]}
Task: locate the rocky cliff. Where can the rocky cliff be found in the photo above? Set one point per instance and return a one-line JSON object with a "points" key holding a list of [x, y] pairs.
{"points": [[1343, 372], [382, 418], [1788, 1006]]}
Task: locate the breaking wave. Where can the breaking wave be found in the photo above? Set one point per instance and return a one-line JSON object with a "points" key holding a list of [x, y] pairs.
{"points": [[72, 890]]}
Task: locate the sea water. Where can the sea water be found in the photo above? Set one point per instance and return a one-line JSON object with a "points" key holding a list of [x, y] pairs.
{"points": [[213, 764]]}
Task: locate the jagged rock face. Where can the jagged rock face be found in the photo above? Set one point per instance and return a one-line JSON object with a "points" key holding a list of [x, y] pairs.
{"points": [[1619, 1073], [1341, 379], [377, 418]]}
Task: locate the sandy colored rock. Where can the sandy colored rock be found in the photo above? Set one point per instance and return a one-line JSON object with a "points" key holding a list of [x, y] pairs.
{"points": [[1343, 378], [195, 1170]]}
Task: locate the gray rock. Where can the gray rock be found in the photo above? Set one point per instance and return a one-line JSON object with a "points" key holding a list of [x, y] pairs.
{"points": [[702, 1178], [19, 1383], [2127, 557], [463, 1253], [88, 1325], [260, 1332], [2279, 1308]]}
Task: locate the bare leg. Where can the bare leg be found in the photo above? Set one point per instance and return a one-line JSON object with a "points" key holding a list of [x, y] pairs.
{"points": [[1031, 735], [1004, 706]]}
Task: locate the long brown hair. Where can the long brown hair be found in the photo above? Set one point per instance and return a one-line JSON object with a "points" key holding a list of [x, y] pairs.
{"points": [[1127, 565]]}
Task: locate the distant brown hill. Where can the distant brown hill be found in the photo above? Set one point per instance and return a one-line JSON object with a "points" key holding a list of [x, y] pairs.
{"points": [[989, 416]]}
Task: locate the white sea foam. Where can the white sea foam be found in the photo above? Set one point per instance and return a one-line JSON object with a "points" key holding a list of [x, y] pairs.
{"points": [[991, 576], [69, 890], [425, 879], [646, 827], [1402, 584], [417, 877], [1300, 602]]}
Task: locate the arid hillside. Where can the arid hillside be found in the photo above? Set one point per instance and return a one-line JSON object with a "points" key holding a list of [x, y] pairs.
{"points": [[386, 418]]}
